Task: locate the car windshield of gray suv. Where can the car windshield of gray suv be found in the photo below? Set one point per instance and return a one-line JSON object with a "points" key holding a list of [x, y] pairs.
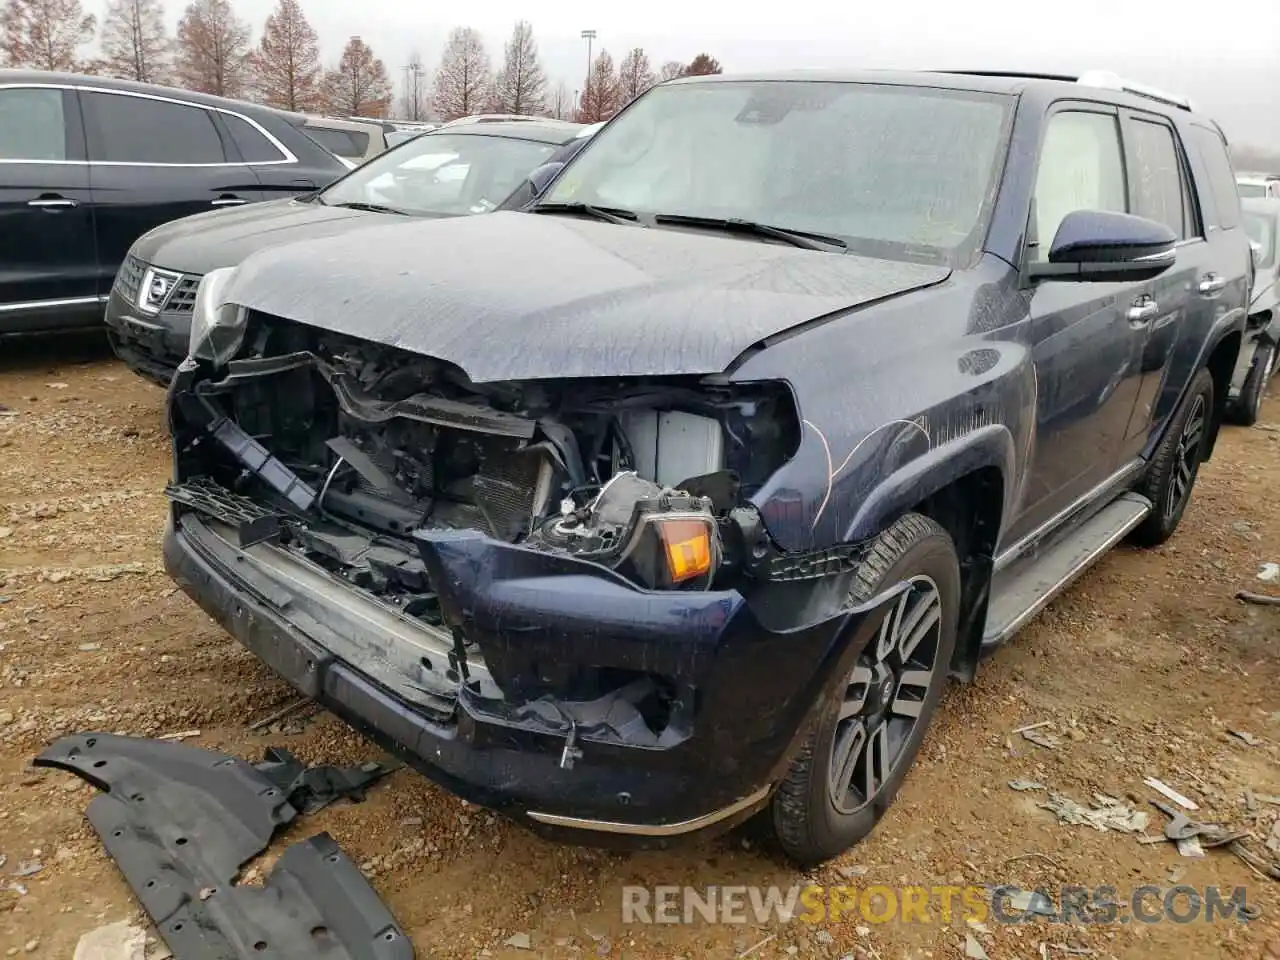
{"points": [[440, 174], [897, 171]]}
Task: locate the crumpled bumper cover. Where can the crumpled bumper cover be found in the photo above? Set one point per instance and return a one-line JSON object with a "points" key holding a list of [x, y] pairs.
{"points": [[752, 688]]}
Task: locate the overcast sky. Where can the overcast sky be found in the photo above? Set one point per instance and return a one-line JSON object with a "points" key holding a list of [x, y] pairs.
{"points": [[1224, 55]]}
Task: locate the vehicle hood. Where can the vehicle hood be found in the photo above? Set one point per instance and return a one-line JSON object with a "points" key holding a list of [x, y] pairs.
{"points": [[222, 238], [521, 296]]}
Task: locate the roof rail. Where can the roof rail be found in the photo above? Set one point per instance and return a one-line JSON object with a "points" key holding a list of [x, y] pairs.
{"points": [[1107, 80], [1103, 79], [1012, 74]]}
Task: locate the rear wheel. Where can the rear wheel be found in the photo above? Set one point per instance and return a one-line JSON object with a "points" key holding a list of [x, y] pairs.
{"points": [[861, 745], [1249, 405], [1176, 464]]}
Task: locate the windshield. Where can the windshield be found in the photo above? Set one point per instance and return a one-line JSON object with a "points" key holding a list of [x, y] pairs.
{"points": [[446, 173], [896, 171], [1262, 231]]}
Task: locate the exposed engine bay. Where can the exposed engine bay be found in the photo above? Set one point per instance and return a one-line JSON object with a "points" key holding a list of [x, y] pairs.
{"points": [[340, 449]]}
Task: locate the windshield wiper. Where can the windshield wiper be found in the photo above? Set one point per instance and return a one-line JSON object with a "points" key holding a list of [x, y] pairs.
{"points": [[608, 214], [797, 238], [364, 205]]}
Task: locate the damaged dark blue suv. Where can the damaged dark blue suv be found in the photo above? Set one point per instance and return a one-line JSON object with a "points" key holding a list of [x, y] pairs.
{"points": [[677, 497]]}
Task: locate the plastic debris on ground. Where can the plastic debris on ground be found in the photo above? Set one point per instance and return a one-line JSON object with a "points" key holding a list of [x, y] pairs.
{"points": [[1041, 738], [1106, 813], [1024, 785], [1269, 573], [114, 941], [1167, 791]]}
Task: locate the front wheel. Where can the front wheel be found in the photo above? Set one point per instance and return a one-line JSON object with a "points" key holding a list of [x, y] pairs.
{"points": [[1176, 464], [862, 743]]}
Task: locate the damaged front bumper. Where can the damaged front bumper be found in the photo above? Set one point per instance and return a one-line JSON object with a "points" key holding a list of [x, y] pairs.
{"points": [[500, 725]]}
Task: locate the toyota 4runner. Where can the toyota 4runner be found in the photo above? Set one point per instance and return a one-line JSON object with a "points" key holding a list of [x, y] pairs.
{"points": [[676, 498]]}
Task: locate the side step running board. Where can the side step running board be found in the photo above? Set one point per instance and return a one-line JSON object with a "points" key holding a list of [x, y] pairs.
{"points": [[1021, 592]]}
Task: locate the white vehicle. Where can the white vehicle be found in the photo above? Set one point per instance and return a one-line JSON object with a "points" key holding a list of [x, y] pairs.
{"points": [[1258, 186]]}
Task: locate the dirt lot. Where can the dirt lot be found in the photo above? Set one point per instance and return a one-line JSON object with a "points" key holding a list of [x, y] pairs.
{"points": [[1142, 669]]}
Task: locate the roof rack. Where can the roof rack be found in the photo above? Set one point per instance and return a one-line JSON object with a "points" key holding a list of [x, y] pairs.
{"points": [[1103, 79], [1013, 74], [1110, 81]]}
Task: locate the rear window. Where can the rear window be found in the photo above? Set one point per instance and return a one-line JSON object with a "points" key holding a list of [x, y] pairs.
{"points": [[145, 130], [1222, 179], [253, 146], [352, 144], [1157, 176], [1252, 190]]}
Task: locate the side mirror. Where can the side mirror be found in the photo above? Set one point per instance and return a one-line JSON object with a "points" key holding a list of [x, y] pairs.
{"points": [[1255, 248], [1094, 245], [542, 177]]}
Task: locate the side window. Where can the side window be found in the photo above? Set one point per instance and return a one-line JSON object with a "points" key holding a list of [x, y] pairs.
{"points": [[1222, 180], [253, 146], [126, 129], [32, 125], [1081, 168], [1157, 176]]}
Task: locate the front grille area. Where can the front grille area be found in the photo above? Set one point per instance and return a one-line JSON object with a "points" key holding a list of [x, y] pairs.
{"points": [[183, 297], [129, 278]]}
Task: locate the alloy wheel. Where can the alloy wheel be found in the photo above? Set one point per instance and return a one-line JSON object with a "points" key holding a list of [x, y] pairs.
{"points": [[1187, 456], [884, 696]]}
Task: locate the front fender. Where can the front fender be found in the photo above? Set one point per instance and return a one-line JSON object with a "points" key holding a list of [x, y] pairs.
{"points": [[918, 479]]}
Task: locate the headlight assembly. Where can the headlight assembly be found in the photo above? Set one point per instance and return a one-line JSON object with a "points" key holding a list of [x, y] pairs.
{"points": [[217, 327]]}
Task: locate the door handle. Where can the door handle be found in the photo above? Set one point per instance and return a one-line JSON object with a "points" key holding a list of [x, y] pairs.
{"points": [[1143, 311], [1212, 283], [53, 203], [227, 201]]}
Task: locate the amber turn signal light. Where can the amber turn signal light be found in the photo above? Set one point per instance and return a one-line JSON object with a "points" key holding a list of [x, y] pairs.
{"points": [[687, 544]]}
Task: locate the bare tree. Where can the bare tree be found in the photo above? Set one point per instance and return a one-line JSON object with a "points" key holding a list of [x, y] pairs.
{"points": [[414, 99], [560, 105], [286, 65], [358, 86], [44, 34], [635, 76], [465, 77], [599, 100], [703, 65], [521, 85], [213, 49], [671, 70], [135, 45]]}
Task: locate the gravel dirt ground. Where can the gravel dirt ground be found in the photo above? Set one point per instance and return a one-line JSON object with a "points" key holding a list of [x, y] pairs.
{"points": [[1141, 669]]}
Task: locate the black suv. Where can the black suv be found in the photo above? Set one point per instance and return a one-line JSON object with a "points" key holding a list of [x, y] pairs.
{"points": [[88, 164], [678, 496]]}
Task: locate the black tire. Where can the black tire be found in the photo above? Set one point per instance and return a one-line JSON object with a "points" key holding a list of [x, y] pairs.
{"points": [[1249, 404], [804, 816], [1172, 474]]}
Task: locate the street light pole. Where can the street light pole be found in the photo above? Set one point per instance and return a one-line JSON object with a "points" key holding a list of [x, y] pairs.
{"points": [[588, 35]]}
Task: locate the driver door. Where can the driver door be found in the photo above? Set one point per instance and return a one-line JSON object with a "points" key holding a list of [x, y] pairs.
{"points": [[1085, 346]]}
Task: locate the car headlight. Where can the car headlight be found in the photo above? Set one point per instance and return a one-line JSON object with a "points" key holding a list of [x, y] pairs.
{"points": [[217, 327]]}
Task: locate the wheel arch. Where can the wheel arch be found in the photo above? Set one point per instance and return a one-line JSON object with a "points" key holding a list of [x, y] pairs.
{"points": [[1221, 364], [966, 486]]}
